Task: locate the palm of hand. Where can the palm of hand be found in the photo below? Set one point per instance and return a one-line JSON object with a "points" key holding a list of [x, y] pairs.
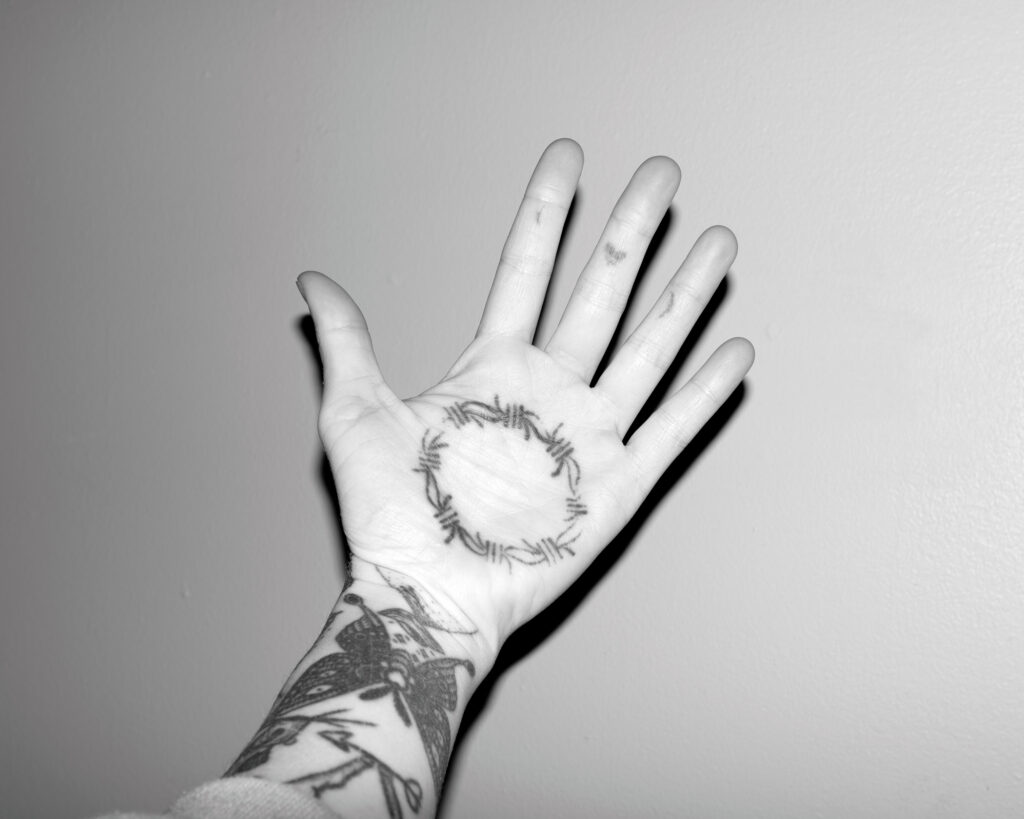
{"points": [[495, 489]]}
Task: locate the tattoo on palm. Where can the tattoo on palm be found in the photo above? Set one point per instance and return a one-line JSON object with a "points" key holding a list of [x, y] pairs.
{"points": [[392, 655], [522, 423]]}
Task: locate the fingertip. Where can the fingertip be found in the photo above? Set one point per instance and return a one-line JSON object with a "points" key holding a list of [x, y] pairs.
{"points": [[659, 175], [329, 303], [742, 350], [567, 144], [314, 282], [723, 239], [565, 150], [301, 281], [309, 279], [665, 165]]}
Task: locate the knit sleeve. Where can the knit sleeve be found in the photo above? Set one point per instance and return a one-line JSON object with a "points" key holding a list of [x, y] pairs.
{"points": [[239, 797]]}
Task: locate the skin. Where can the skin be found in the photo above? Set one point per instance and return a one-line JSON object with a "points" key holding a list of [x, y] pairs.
{"points": [[502, 476]]}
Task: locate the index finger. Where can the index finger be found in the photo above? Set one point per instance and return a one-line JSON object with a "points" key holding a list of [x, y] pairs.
{"points": [[521, 281]]}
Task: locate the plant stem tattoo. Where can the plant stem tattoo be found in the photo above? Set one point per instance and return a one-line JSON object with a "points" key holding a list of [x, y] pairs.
{"points": [[521, 421], [383, 655]]}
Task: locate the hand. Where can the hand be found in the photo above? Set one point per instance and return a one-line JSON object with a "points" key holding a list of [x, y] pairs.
{"points": [[495, 489]]}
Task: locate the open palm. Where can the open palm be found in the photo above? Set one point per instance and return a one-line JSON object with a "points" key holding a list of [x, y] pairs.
{"points": [[495, 489]]}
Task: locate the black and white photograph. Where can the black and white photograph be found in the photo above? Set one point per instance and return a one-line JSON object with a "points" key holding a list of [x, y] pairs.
{"points": [[486, 410]]}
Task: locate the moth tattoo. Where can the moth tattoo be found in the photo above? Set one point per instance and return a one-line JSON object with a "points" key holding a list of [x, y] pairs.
{"points": [[383, 655]]}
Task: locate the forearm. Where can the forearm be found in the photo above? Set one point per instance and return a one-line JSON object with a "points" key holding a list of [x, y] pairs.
{"points": [[366, 721]]}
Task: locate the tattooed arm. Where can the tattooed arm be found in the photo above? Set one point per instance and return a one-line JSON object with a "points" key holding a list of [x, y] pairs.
{"points": [[366, 721], [472, 506]]}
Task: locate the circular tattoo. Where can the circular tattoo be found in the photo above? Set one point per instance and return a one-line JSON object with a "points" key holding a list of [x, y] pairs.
{"points": [[555, 450]]}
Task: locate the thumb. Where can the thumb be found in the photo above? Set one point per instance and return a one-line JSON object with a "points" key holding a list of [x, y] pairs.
{"points": [[352, 377]]}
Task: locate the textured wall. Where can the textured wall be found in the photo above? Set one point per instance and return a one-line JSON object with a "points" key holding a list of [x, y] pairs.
{"points": [[823, 615]]}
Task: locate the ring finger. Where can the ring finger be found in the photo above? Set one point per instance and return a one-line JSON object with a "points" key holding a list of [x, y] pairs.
{"points": [[640, 364]]}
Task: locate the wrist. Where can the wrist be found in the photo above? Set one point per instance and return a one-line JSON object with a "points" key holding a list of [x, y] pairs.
{"points": [[378, 699], [434, 610]]}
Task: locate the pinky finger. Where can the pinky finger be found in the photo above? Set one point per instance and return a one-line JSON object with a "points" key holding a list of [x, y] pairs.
{"points": [[666, 433]]}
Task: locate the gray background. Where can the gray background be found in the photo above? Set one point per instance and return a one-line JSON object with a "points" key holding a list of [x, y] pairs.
{"points": [[823, 615]]}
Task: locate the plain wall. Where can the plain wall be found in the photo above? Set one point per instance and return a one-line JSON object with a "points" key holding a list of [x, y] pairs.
{"points": [[821, 617]]}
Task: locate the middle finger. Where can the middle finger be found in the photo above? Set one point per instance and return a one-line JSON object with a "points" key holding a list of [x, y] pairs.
{"points": [[597, 302]]}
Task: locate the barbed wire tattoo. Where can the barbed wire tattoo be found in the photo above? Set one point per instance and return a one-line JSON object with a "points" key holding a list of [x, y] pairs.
{"points": [[516, 418]]}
